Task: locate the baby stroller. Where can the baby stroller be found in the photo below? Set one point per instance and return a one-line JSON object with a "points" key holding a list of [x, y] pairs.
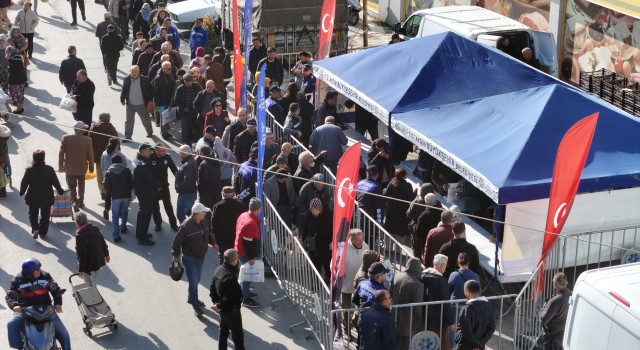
{"points": [[95, 312]]}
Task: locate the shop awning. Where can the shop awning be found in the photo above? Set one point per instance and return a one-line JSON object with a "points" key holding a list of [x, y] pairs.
{"points": [[628, 7]]}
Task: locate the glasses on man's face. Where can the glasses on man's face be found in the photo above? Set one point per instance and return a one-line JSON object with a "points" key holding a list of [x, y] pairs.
{"points": [[218, 106]]}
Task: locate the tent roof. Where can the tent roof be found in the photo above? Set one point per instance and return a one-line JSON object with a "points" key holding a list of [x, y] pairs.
{"points": [[425, 72], [506, 144]]}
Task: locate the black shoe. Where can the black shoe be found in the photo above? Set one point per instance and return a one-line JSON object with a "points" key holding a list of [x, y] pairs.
{"points": [[158, 228], [251, 303], [150, 135], [117, 239], [253, 295], [166, 136], [198, 311], [19, 111], [123, 229], [74, 23], [105, 214], [84, 18], [175, 227], [103, 196], [125, 140], [146, 241], [149, 235]]}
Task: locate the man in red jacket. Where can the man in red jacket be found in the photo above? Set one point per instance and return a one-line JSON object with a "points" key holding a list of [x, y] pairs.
{"points": [[247, 244]]}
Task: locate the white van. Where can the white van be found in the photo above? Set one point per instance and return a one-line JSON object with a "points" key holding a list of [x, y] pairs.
{"points": [[482, 25], [604, 311]]}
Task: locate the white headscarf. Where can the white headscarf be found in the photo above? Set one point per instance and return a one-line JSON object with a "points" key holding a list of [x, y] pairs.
{"points": [[4, 38]]}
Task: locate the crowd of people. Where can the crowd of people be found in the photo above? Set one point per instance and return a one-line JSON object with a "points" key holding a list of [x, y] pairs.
{"points": [[216, 176]]}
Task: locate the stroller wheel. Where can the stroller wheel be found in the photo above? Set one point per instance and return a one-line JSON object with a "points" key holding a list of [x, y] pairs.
{"points": [[115, 327], [86, 331]]}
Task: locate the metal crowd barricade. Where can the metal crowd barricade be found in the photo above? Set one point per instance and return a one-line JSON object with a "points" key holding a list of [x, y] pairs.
{"points": [[427, 310], [297, 276], [571, 254]]}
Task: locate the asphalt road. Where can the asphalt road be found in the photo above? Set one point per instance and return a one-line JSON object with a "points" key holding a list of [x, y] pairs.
{"points": [[150, 307]]}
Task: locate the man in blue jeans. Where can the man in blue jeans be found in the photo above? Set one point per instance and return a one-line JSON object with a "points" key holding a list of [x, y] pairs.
{"points": [[34, 287], [118, 181], [186, 178], [248, 245], [192, 240]]}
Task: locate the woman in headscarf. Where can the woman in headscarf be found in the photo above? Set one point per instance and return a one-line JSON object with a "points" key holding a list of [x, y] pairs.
{"points": [[4, 64], [317, 226], [20, 43], [5, 133], [141, 23], [16, 78], [198, 61]]}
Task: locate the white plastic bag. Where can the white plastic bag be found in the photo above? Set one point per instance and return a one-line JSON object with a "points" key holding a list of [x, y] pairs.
{"points": [[69, 104], [169, 115], [4, 97], [252, 273]]}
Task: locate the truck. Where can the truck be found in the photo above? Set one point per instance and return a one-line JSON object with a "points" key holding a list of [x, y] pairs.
{"points": [[604, 310], [484, 26]]}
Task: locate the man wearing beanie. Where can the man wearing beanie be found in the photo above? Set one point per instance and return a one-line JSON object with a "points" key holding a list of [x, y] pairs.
{"points": [[248, 245]]}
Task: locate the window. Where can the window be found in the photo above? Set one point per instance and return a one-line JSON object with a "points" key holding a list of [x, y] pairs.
{"points": [[413, 26]]}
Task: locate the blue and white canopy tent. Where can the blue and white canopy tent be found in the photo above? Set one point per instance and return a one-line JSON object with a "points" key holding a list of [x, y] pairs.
{"points": [[495, 121]]}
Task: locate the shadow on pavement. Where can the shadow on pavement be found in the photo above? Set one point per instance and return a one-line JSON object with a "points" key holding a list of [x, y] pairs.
{"points": [[124, 338]]}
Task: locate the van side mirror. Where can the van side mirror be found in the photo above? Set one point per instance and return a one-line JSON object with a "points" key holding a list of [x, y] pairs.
{"points": [[397, 28]]}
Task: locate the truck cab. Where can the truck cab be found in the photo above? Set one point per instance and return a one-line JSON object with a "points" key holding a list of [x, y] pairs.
{"points": [[482, 25], [604, 310]]}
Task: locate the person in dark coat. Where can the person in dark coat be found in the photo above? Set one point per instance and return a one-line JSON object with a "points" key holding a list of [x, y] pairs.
{"points": [[257, 53], [242, 143], [442, 176], [275, 69], [224, 218], [226, 295], [144, 59], [244, 183], [209, 185], [16, 78], [183, 99], [376, 326], [306, 115], [111, 45], [554, 313], [326, 108], [37, 187], [365, 121], [458, 245], [440, 317], [186, 183], [235, 128], [477, 319], [426, 221], [82, 91], [437, 237], [162, 162], [308, 165], [396, 220], [318, 224], [69, 68], [380, 155], [91, 249], [164, 84], [372, 205], [147, 189], [119, 183]]}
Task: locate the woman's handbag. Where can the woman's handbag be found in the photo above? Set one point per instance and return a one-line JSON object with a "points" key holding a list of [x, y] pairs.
{"points": [[309, 244]]}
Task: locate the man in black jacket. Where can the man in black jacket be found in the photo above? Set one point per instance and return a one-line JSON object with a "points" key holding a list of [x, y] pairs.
{"points": [[226, 295], [185, 95], [208, 178], [275, 69], [477, 319], [136, 94], [164, 85], [186, 183], [111, 45], [242, 143], [82, 91], [440, 318], [257, 53], [192, 241], [235, 128], [118, 182], [147, 189], [91, 249], [69, 68], [554, 313], [457, 245], [34, 287], [224, 218], [161, 163]]}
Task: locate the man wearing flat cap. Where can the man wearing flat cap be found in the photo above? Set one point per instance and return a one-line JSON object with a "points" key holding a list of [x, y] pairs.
{"points": [[273, 104]]}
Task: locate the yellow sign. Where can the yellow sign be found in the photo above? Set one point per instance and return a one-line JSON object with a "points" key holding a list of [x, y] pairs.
{"points": [[628, 7]]}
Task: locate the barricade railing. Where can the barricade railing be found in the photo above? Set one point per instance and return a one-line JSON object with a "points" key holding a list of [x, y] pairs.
{"points": [[297, 276], [571, 254], [429, 316]]}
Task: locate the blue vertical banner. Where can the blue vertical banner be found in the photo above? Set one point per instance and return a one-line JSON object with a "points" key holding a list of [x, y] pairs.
{"points": [[248, 25], [262, 136]]}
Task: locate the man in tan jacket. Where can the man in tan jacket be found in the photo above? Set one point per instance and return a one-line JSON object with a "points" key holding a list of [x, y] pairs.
{"points": [[76, 153]]}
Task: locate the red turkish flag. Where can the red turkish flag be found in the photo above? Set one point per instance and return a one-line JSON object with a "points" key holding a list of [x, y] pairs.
{"points": [[326, 28], [237, 57], [570, 160], [343, 202]]}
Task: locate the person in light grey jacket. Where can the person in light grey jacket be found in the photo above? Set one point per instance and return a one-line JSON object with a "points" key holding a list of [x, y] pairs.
{"points": [[226, 158], [274, 188], [27, 20]]}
